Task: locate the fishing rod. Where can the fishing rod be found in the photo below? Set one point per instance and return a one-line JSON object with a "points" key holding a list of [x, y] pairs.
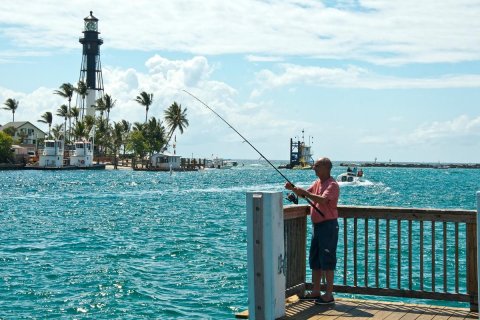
{"points": [[251, 145]]}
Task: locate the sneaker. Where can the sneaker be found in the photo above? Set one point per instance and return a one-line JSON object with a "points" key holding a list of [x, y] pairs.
{"points": [[322, 302]]}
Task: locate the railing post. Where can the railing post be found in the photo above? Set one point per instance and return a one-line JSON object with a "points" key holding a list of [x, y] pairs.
{"points": [[478, 251], [265, 255]]}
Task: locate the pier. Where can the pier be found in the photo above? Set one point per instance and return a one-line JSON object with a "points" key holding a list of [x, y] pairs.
{"points": [[387, 252]]}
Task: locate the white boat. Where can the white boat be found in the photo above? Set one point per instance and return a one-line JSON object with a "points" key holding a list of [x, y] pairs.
{"points": [[219, 163], [82, 155], [351, 176], [52, 154]]}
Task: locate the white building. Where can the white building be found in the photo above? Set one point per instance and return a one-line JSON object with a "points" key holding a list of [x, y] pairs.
{"points": [[165, 161]]}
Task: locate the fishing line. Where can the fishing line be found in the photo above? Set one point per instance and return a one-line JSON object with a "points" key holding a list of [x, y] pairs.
{"points": [[251, 145]]}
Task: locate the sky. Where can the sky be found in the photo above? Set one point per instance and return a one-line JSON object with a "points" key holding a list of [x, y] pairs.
{"points": [[357, 80]]}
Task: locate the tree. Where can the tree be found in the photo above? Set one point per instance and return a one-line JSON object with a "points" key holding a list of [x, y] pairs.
{"points": [[66, 90], [146, 100], [47, 117], [82, 90], [126, 131], [105, 104], [10, 131], [11, 105], [58, 132], [79, 130], [154, 133], [117, 140], [6, 141], [63, 112], [138, 144], [175, 118]]}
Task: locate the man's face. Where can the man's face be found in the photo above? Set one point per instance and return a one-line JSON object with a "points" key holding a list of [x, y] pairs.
{"points": [[321, 169]]}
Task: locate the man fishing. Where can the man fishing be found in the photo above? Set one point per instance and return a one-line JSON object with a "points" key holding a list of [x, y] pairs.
{"points": [[324, 193], [322, 196]]}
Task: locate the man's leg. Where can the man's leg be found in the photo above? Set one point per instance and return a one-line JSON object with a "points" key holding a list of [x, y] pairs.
{"points": [[316, 277], [329, 288]]}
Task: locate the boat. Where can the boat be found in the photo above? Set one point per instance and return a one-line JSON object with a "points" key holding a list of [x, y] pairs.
{"points": [[53, 157], [82, 155], [351, 176], [219, 163], [52, 154], [301, 156]]}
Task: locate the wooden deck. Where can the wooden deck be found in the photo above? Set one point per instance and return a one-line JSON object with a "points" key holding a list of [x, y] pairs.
{"points": [[353, 309]]}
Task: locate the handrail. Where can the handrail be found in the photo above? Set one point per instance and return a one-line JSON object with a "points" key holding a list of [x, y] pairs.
{"points": [[399, 243]]}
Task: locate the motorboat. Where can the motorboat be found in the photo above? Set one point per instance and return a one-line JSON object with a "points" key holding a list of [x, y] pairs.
{"points": [[351, 176]]}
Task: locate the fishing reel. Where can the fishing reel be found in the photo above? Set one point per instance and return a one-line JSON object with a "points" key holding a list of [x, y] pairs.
{"points": [[292, 198]]}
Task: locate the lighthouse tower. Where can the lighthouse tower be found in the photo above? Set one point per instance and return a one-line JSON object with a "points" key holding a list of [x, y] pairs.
{"points": [[91, 68]]}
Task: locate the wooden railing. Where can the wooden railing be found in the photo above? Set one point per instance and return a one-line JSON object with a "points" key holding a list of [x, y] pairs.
{"points": [[399, 252]]}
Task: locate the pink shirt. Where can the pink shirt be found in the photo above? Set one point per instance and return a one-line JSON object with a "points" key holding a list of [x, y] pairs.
{"points": [[330, 190]]}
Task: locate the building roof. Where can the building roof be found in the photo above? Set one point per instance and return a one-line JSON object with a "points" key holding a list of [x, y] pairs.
{"points": [[19, 124]]}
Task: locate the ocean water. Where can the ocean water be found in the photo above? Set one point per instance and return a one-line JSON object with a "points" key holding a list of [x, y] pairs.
{"points": [[150, 245]]}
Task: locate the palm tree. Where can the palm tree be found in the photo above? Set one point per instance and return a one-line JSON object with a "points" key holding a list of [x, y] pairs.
{"points": [[66, 90], [75, 113], [146, 100], [175, 118], [47, 117], [57, 131], [63, 112], [79, 130], [105, 104], [117, 140], [12, 105], [82, 90], [126, 130]]}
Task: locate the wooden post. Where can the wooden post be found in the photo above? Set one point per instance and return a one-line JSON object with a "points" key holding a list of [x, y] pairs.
{"points": [[265, 255], [474, 305]]}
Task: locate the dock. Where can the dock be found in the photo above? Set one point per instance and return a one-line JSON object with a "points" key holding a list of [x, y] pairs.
{"points": [[353, 309], [406, 255]]}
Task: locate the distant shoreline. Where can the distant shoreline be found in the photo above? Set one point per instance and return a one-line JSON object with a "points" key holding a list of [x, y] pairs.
{"points": [[413, 165]]}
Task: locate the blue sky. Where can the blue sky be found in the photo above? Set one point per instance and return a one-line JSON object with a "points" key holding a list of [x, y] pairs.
{"points": [[392, 80]]}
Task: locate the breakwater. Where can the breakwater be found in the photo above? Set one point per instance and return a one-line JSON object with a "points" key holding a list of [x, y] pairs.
{"points": [[413, 165]]}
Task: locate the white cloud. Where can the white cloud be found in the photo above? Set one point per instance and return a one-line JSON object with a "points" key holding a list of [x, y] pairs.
{"points": [[463, 130], [165, 79], [382, 32], [354, 77]]}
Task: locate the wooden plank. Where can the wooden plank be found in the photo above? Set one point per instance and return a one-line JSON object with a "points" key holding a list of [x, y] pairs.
{"points": [[345, 251], [421, 256], [366, 253], [355, 248], [387, 253], [456, 258], [410, 283], [356, 309], [377, 247], [433, 256], [415, 214], [399, 254], [472, 265], [258, 258]]}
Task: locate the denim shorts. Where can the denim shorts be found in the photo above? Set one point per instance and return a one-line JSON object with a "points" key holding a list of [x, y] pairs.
{"points": [[323, 246]]}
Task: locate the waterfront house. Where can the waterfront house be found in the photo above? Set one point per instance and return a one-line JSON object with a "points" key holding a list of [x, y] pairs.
{"points": [[25, 133], [165, 161]]}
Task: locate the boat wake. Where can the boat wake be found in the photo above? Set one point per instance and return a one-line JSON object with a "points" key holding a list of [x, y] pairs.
{"points": [[356, 183]]}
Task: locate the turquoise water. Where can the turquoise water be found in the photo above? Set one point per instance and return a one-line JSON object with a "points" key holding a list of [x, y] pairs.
{"points": [[143, 245]]}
